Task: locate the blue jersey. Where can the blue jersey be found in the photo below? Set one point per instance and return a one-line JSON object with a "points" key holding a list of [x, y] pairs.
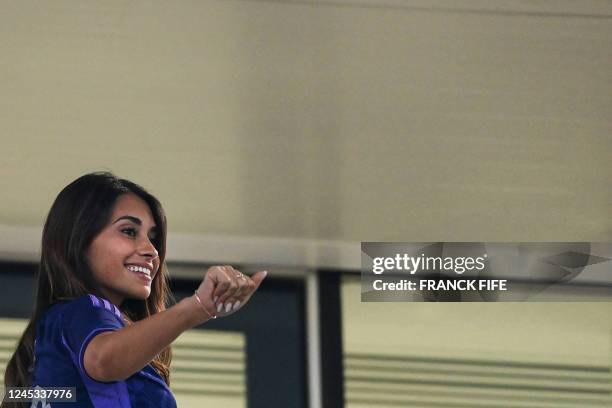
{"points": [[62, 335]]}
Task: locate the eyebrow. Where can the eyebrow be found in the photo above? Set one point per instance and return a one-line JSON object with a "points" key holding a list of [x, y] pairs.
{"points": [[135, 220]]}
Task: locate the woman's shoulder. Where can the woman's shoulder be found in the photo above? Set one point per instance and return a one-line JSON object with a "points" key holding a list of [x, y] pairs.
{"points": [[55, 315], [90, 304]]}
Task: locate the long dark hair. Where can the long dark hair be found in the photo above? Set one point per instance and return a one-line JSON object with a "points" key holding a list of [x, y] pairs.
{"points": [[80, 212]]}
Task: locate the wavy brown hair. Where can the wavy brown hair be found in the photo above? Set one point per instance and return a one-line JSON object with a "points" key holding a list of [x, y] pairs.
{"points": [[79, 213]]}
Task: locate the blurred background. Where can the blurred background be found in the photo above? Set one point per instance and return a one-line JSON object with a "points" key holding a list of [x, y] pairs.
{"points": [[278, 134]]}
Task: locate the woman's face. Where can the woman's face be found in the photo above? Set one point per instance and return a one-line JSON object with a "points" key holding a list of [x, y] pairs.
{"points": [[120, 252]]}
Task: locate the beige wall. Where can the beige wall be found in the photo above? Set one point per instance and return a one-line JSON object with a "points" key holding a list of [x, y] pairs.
{"points": [[372, 120]]}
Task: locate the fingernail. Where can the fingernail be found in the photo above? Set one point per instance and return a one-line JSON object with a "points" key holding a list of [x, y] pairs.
{"points": [[236, 305], [265, 273], [219, 307], [228, 307], [215, 299]]}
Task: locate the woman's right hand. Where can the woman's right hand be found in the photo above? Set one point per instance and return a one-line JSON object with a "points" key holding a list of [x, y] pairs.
{"points": [[224, 290]]}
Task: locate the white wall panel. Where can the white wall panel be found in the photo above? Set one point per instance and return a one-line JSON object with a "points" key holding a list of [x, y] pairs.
{"points": [[340, 120]]}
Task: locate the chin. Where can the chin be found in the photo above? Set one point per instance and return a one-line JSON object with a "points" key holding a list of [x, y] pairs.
{"points": [[140, 294]]}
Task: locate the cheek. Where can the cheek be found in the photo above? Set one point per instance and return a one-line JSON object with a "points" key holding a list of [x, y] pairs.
{"points": [[108, 271], [107, 261], [98, 263]]}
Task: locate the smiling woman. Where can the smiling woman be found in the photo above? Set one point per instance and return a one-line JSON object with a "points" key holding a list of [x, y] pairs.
{"points": [[123, 257], [100, 322]]}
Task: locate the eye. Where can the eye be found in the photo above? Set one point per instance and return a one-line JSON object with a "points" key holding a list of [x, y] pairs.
{"points": [[153, 236], [131, 232]]}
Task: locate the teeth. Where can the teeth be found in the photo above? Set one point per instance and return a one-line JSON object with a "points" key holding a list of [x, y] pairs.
{"points": [[135, 268]]}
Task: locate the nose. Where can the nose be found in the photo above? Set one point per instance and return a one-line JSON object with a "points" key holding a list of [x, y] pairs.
{"points": [[146, 248]]}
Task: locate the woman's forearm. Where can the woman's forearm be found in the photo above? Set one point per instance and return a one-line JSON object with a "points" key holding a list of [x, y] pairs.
{"points": [[116, 355]]}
